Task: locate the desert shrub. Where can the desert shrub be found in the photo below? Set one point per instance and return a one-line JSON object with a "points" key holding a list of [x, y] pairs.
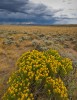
{"points": [[35, 42], [48, 42], [8, 41], [25, 32], [41, 48], [41, 35], [39, 73], [39, 45], [14, 32], [21, 39]]}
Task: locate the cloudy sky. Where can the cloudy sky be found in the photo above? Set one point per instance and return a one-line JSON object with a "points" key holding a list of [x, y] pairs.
{"points": [[43, 12]]}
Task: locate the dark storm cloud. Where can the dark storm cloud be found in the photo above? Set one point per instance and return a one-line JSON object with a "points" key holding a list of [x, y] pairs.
{"points": [[25, 11], [13, 5]]}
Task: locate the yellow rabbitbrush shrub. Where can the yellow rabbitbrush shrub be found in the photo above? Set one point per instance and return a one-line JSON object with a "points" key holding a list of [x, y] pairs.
{"points": [[39, 74]]}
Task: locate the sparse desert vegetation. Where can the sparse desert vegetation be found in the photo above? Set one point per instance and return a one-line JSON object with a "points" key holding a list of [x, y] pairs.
{"points": [[16, 40]]}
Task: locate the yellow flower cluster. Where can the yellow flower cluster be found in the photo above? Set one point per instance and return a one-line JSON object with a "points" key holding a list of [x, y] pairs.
{"points": [[38, 68], [57, 88]]}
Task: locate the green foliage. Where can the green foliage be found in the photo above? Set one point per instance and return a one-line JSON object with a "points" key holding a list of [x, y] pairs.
{"points": [[39, 73]]}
